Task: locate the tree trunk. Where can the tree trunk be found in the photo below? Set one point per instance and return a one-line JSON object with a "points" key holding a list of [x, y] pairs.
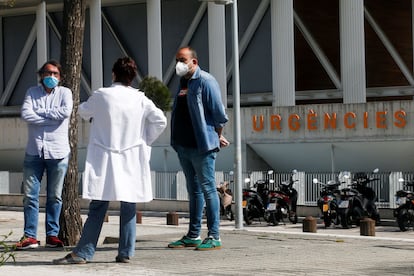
{"points": [[71, 59]]}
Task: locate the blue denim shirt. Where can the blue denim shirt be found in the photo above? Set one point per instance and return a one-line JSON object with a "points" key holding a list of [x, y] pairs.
{"points": [[206, 110], [47, 117]]}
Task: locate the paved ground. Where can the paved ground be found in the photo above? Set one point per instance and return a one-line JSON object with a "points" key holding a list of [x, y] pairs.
{"points": [[258, 249]]}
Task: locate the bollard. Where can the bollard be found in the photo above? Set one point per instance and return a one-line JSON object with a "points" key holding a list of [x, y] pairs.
{"points": [[367, 227], [139, 217], [309, 224], [172, 218]]}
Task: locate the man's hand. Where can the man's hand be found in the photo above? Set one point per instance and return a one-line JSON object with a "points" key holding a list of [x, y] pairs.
{"points": [[223, 141]]}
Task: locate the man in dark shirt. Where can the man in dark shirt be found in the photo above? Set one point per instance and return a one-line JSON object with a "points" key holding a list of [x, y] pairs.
{"points": [[197, 120]]}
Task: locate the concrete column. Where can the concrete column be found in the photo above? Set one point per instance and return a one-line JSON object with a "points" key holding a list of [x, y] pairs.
{"points": [[96, 44], [41, 36], [154, 39], [283, 59], [352, 51], [1, 56], [300, 186], [394, 186], [4, 182], [217, 46]]}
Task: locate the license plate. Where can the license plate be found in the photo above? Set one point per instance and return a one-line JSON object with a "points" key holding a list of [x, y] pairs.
{"points": [[344, 204], [244, 203], [325, 207], [271, 206]]}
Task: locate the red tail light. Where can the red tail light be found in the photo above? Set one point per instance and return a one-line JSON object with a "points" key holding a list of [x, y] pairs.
{"points": [[272, 194]]}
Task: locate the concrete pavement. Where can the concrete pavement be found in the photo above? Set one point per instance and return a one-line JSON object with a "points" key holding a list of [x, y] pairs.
{"points": [[257, 249]]}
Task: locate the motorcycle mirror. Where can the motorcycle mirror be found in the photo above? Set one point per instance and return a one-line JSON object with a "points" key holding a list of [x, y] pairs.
{"points": [[376, 170], [315, 181], [270, 172]]}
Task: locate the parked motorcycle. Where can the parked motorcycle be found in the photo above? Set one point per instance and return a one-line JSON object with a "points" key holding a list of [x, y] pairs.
{"points": [[369, 197], [358, 201], [255, 199], [282, 202], [329, 199], [226, 198], [404, 213], [273, 205], [350, 207]]}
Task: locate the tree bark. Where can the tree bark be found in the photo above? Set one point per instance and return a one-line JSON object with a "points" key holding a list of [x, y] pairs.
{"points": [[71, 60]]}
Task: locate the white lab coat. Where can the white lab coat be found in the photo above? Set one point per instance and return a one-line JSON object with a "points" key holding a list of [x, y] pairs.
{"points": [[124, 125]]}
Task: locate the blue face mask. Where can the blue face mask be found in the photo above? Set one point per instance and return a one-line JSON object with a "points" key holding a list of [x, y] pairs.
{"points": [[50, 82]]}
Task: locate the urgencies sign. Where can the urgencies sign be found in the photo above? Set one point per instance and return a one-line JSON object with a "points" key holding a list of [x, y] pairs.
{"points": [[313, 121]]}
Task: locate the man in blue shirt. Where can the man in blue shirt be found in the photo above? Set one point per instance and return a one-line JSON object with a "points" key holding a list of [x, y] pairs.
{"points": [[46, 110], [197, 121]]}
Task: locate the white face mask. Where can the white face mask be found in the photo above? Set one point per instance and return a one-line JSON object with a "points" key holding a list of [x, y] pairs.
{"points": [[181, 69]]}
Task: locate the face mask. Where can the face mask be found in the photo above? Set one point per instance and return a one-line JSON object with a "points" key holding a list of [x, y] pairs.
{"points": [[181, 69], [50, 82]]}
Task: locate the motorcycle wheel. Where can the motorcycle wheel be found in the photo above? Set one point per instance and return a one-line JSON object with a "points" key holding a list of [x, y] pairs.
{"points": [[229, 214], [376, 216], [377, 219], [346, 221], [327, 220], [246, 217], [357, 215], [293, 218], [273, 219], [204, 215], [403, 220]]}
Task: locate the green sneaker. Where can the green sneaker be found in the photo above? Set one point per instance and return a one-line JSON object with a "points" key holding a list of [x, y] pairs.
{"points": [[209, 244], [185, 242]]}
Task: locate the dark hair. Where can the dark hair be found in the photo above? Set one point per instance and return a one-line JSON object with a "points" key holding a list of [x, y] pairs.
{"points": [[192, 51], [125, 70], [51, 62]]}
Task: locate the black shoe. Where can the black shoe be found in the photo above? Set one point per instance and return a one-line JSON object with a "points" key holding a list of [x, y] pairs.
{"points": [[120, 259]]}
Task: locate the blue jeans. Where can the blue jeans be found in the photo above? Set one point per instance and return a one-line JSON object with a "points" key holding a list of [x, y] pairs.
{"points": [[199, 171], [86, 246], [33, 169]]}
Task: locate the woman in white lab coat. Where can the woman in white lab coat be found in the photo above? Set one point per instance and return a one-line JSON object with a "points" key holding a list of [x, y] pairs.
{"points": [[124, 123]]}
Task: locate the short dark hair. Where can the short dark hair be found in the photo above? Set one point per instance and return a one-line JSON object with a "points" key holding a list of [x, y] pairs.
{"points": [[51, 62], [192, 51], [125, 70]]}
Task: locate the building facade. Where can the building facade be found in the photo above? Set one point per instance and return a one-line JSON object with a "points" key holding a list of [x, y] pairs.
{"points": [[326, 85]]}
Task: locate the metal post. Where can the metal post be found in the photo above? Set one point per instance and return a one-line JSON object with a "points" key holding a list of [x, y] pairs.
{"points": [[236, 110], [333, 161]]}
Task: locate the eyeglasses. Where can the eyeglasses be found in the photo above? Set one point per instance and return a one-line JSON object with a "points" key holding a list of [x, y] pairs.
{"points": [[51, 73]]}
